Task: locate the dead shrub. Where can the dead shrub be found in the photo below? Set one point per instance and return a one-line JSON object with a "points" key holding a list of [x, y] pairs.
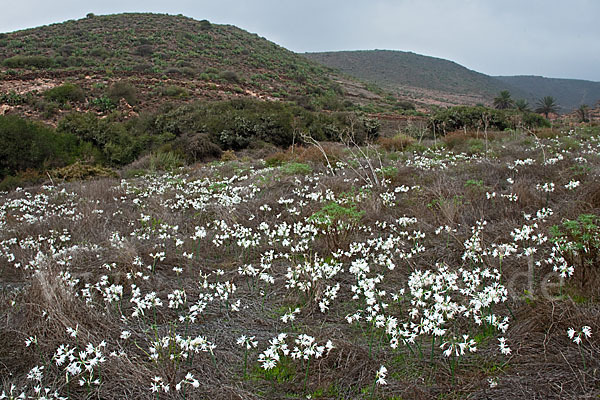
{"points": [[312, 154], [228, 155], [278, 158], [397, 143], [80, 171], [306, 154], [460, 139]]}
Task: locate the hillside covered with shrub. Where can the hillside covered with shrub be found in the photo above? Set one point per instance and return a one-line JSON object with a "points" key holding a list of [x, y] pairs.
{"points": [[439, 81], [94, 63], [161, 44], [186, 133]]}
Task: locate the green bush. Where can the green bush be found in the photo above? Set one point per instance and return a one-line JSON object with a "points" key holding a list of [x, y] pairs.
{"points": [[198, 147], [144, 50], [65, 93], [99, 52], [116, 144], [175, 91], [533, 120], [28, 62], [475, 146], [205, 25], [27, 144], [122, 90], [295, 168], [48, 108], [578, 241], [12, 98], [230, 76], [143, 67], [336, 223], [10, 182], [165, 161], [66, 50], [232, 124], [103, 104], [479, 117]]}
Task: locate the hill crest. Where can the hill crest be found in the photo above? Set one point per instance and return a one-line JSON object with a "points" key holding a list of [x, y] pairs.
{"points": [[161, 54], [438, 81]]}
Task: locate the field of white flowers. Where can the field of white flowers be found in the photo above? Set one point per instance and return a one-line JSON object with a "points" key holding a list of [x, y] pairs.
{"points": [[427, 273]]}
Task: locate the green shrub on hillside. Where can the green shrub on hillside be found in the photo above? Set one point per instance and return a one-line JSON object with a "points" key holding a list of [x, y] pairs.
{"points": [[165, 161], [117, 145], [103, 104], [65, 93], [198, 147], [122, 90], [175, 91], [144, 50], [13, 98], [28, 62], [479, 117], [27, 145], [230, 76]]}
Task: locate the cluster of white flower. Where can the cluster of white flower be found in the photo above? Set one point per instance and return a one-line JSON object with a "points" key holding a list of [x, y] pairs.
{"points": [[576, 336], [378, 266], [81, 363]]}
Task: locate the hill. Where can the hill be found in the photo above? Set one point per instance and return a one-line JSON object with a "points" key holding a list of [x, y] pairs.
{"points": [[438, 81], [160, 44], [570, 93], [167, 58], [429, 79]]}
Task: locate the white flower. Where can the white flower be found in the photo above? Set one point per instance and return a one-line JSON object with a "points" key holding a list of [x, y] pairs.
{"points": [[587, 331], [73, 332], [576, 336], [381, 375], [572, 185], [504, 349], [30, 340], [247, 342], [36, 373]]}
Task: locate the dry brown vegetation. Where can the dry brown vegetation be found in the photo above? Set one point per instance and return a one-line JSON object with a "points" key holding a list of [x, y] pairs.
{"points": [[116, 229]]}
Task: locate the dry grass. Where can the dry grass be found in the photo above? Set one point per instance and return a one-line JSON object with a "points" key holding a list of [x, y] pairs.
{"points": [[398, 142], [544, 362]]}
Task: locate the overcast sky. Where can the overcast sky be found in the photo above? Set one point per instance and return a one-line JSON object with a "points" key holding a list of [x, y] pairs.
{"points": [[553, 38]]}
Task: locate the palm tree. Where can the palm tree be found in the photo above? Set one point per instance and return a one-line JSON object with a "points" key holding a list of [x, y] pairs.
{"points": [[546, 105], [582, 113], [503, 101], [522, 105]]}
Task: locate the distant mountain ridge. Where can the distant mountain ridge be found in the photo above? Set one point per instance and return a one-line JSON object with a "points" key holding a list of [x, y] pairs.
{"points": [[570, 93], [439, 79]]}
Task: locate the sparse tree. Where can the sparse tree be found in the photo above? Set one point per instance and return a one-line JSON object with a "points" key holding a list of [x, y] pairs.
{"points": [[503, 101], [582, 113], [546, 105], [522, 105]]}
